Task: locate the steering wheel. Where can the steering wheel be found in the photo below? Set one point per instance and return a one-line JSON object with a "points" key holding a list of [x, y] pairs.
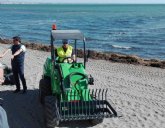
{"points": [[69, 60]]}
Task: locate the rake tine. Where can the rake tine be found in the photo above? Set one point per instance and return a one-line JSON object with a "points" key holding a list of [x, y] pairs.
{"points": [[89, 103], [85, 104], [75, 106], [99, 99], [103, 94], [60, 104], [69, 112], [56, 106], [103, 100], [75, 103], [64, 105], [79, 103], [95, 94], [92, 100], [72, 96], [82, 102], [106, 94], [106, 98], [95, 104]]}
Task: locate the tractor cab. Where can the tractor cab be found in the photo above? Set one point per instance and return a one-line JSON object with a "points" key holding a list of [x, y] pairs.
{"points": [[70, 72], [75, 35], [66, 36]]}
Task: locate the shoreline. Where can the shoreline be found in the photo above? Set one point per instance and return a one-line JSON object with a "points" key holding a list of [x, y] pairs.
{"points": [[110, 56]]}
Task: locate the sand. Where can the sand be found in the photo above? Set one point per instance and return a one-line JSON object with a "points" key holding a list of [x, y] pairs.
{"points": [[137, 92]]}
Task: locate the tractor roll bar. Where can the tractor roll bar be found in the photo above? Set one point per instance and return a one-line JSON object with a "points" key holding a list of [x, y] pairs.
{"points": [[70, 35]]}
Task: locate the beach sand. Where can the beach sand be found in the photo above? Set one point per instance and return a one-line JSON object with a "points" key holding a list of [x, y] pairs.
{"points": [[137, 92]]}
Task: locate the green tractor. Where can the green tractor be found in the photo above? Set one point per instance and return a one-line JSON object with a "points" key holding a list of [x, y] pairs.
{"points": [[64, 91]]}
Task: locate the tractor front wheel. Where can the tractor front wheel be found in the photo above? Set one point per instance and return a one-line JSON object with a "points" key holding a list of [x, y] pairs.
{"points": [[44, 89], [51, 112]]}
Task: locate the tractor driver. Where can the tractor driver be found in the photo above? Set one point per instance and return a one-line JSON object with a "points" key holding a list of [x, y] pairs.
{"points": [[65, 53]]}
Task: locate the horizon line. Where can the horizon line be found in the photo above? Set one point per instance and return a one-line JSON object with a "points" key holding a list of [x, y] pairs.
{"points": [[9, 2], [69, 3]]}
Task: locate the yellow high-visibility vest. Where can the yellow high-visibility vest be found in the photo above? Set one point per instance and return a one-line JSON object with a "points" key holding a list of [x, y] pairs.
{"points": [[62, 54]]}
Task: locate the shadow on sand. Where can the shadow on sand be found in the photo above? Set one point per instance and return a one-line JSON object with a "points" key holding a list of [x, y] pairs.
{"points": [[25, 111]]}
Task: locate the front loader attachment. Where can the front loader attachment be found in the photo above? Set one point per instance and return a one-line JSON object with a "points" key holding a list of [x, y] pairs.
{"points": [[100, 110], [84, 105]]}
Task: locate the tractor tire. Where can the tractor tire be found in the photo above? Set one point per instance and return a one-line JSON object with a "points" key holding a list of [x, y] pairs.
{"points": [[51, 112], [44, 89]]}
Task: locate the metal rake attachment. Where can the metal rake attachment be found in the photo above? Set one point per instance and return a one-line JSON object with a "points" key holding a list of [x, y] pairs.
{"points": [[86, 104]]}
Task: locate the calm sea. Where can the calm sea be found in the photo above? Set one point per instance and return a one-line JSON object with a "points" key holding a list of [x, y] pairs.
{"points": [[128, 29]]}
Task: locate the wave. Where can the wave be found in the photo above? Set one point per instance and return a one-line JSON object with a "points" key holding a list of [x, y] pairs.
{"points": [[121, 47]]}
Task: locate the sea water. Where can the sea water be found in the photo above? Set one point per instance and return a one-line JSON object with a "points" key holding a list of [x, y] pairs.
{"points": [[128, 29]]}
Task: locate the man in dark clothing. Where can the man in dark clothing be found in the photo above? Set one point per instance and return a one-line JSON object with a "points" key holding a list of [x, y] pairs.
{"points": [[17, 62]]}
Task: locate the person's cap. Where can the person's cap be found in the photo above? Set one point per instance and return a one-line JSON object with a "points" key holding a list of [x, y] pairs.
{"points": [[17, 38], [65, 41]]}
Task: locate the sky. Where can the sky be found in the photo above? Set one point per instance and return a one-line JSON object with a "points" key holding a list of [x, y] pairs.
{"points": [[86, 1]]}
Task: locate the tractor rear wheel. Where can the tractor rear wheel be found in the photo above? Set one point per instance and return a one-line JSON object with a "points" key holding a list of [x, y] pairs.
{"points": [[44, 89], [51, 112]]}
